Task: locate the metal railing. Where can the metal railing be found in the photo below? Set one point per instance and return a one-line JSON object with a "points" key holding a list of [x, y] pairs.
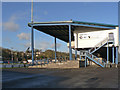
{"points": [[95, 58], [101, 43], [49, 60]]}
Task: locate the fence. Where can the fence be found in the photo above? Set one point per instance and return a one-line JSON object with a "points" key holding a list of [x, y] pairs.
{"points": [[13, 65]]}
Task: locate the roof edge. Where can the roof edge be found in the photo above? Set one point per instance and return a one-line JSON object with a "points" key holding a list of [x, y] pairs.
{"points": [[93, 23], [75, 22]]}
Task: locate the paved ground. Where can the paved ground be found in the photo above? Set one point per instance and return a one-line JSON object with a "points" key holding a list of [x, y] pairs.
{"points": [[89, 77]]}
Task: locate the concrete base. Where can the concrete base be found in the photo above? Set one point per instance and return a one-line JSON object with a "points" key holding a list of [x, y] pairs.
{"points": [[68, 64], [108, 65], [114, 65]]}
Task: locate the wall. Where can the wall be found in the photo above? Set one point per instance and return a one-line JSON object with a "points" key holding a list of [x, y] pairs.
{"points": [[68, 64], [91, 37]]}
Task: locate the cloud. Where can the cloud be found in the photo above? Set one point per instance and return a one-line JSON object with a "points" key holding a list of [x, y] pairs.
{"points": [[45, 45], [37, 45], [24, 36], [11, 25], [42, 45]]}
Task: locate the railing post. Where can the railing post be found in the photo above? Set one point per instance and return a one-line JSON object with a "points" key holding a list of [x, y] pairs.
{"points": [[92, 56], [85, 61]]}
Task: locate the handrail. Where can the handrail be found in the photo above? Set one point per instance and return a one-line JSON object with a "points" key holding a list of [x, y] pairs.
{"points": [[93, 56], [97, 61], [100, 43]]}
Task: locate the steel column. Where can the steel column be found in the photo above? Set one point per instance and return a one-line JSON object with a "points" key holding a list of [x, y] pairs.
{"points": [[70, 49], [75, 54], [107, 52], [32, 44], [55, 49], [116, 55], [113, 54]]}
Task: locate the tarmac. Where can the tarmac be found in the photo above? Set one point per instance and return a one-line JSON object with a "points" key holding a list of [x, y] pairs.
{"points": [[90, 77]]}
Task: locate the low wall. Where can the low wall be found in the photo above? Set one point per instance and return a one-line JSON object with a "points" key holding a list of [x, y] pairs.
{"points": [[68, 64]]}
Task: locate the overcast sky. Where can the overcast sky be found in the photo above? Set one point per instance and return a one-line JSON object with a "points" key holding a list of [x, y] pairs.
{"points": [[15, 18]]}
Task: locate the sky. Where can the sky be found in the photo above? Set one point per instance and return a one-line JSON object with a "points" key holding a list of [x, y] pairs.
{"points": [[16, 15]]}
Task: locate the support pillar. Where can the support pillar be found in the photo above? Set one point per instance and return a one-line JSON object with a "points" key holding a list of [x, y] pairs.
{"points": [[75, 54], [107, 52], [113, 54], [55, 49], [70, 49], [32, 44], [116, 55]]}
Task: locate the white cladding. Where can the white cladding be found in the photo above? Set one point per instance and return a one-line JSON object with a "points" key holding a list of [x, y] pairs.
{"points": [[89, 38]]}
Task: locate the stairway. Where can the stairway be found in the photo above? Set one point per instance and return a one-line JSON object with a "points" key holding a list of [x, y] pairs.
{"points": [[100, 44], [94, 58]]}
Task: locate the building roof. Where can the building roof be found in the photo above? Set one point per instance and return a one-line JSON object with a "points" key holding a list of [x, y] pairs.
{"points": [[76, 22], [60, 29]]}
